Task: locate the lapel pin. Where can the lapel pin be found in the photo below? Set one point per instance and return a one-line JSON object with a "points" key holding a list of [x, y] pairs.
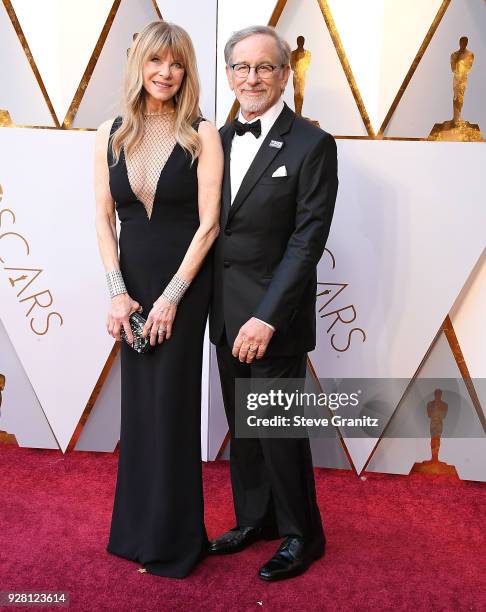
{"points": [[276, 143]]}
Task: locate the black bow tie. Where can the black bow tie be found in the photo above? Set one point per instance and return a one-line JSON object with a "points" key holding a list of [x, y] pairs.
{"points": [[242, 128]]}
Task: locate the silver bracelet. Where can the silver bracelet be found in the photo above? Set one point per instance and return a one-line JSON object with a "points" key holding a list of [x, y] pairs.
{"points": [[116, 286], [175, 290]]}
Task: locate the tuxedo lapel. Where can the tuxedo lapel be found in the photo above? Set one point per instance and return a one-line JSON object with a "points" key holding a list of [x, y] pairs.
{"points": [[262, 159]]}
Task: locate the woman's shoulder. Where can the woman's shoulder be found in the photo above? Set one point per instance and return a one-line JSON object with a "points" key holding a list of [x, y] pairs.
{"points": [[104, 129], [103, 134], [210, 141], [204, 127], [110, 125], [106, 125]]}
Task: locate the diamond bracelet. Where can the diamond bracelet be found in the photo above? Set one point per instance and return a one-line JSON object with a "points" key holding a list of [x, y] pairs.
{"points": [[116, 286], [175, 290]]}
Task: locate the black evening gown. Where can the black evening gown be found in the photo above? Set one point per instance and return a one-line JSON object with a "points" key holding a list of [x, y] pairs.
{"points": [[158, 514]]}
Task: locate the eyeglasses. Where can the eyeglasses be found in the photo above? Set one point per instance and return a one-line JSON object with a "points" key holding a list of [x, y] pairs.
{"points": [[264, 71]]}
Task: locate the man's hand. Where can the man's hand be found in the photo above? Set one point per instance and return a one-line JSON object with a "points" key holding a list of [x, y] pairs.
{"points": [[252, 341]]}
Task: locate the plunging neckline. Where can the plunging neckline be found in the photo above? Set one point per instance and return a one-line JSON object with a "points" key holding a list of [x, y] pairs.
{"points": [[149, 217]]}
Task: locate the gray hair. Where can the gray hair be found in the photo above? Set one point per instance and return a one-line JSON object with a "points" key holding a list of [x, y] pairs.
{"points": [[234, 39]]}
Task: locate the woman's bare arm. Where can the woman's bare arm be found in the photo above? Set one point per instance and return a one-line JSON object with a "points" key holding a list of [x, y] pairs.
{"points": [[105, 205], [209, 176], [122, 305]]}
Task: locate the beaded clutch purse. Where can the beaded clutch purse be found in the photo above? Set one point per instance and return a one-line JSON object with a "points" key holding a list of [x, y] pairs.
{"points": [[141, 344]]}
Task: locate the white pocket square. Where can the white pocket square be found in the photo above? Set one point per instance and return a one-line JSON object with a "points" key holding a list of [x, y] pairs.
{"points": [[282, 171]]}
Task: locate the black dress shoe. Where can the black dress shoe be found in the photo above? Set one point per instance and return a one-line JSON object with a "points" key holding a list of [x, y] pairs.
{"points": [[235, 540], [291, 559]]}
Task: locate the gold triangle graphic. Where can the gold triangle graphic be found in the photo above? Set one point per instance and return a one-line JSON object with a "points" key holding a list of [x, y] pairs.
{"points": [[277, 11], [224, 444], [338, 431], [412, 380], [25, 46], [331, 26], [157, 10], [78, 96], [453, 341], [93, 397], [408, 77], [450, 334], [274, 17], [26, 375]]}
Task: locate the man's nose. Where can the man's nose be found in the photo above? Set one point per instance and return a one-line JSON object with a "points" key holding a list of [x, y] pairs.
{"points": [[252, 78]]}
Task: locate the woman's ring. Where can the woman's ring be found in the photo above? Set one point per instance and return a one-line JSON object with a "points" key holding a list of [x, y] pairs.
{"points": [[251, 349], [161, 331]]}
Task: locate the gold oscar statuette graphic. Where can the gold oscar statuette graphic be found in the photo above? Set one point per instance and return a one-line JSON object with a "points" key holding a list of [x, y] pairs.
{"points": [[5, 437], [457, 128], [437, 412], [5, 120], [300, 59]]}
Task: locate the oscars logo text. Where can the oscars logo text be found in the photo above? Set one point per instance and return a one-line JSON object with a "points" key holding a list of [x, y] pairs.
{"points": [[25, 280], [341, 316]]}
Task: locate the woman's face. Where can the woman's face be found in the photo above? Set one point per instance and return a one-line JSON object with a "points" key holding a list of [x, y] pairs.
{"points": [[162, 76]]}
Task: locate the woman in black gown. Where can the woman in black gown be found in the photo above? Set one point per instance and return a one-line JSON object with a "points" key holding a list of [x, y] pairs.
{"points": [[159, 166]]}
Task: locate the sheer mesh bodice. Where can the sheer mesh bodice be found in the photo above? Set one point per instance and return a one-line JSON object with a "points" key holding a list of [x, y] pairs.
{"points": [[146, 162]]}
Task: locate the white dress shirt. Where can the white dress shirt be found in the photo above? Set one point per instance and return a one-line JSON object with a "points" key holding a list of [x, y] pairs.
{"points": [[243, 151], [244, 148]]}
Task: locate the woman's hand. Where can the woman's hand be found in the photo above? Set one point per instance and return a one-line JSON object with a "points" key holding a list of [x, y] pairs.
{"points": [[122, 306], [160, 321]]}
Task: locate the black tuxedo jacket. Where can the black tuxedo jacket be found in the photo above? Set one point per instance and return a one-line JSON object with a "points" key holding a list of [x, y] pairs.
{"points": [[274, 234]]}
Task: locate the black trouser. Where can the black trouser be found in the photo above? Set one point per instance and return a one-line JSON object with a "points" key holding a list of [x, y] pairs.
{"points": [[272, 478]]}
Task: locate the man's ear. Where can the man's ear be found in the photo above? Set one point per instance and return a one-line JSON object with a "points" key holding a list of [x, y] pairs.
{"points": [[229, 76]]}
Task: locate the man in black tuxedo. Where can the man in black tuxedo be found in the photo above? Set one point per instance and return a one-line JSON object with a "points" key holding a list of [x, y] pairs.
{"points": [[278, 196]]}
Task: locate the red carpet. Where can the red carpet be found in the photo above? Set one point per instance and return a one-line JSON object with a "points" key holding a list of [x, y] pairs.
{"points": [[394, 542]]}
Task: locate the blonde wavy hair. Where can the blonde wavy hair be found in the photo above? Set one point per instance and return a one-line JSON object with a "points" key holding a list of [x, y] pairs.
{"points": [[158, 38]]}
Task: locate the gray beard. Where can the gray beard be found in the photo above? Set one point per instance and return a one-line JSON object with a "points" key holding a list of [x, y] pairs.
{"points": [[253, 107]]}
